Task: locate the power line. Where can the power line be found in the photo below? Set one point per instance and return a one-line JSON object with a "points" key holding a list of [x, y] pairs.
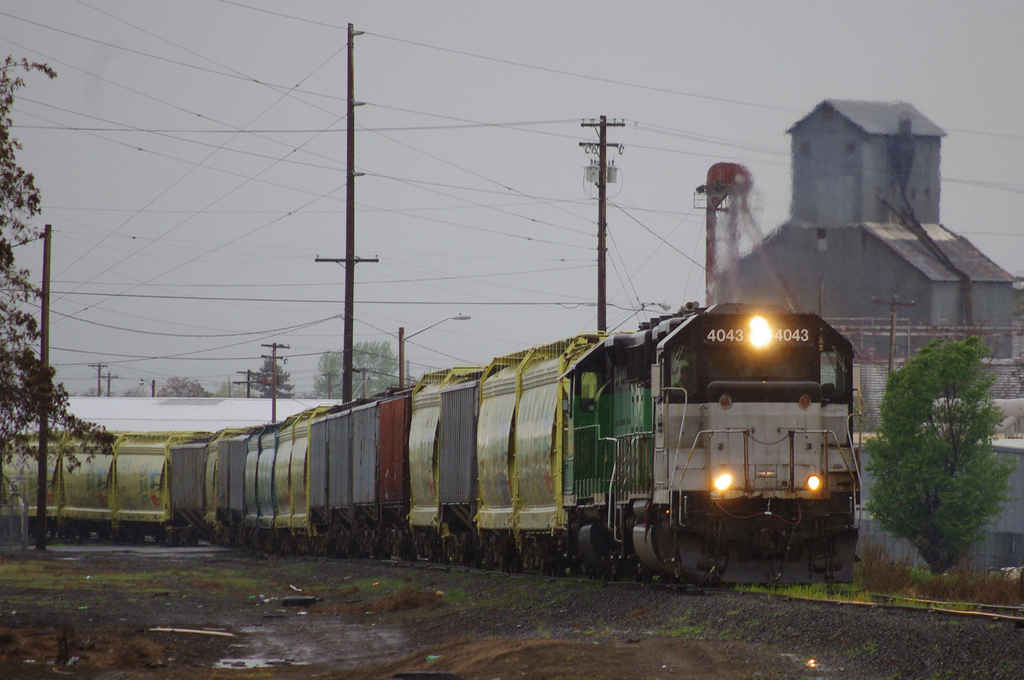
{"points": [[206, 335], [468, 125], [210, 298], [610, 81], [657, 236]]}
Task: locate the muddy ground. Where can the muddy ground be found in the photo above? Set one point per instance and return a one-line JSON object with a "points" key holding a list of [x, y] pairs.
{"points": [[214, 613]]}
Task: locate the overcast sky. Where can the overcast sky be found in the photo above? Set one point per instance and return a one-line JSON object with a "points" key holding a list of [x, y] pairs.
{"points": [[191, 158]]}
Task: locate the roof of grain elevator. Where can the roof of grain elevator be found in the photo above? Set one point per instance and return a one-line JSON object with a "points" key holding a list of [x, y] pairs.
{"points": [[174, 414], [878, 118], [958, 249]]}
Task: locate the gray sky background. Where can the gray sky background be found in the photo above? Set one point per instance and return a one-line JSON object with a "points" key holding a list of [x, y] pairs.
{"points": [[191, 158]]}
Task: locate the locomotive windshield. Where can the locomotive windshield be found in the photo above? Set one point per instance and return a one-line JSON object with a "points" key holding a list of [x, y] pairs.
{"points": [[783, 363], [744, 348]]}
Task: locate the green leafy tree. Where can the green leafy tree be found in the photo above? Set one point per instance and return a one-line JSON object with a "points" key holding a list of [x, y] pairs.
{"points": [[937, 481], [265, 380], [378, 363], [374, 362], [182, 387], [27, 388], [327, 379]]}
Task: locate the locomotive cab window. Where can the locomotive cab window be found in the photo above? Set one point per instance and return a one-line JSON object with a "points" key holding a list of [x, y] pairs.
{"points": [[682, 375], [588, 392], [833, 376]]}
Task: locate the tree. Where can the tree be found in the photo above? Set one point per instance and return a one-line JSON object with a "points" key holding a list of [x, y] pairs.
{"points": [[265, 380], [327, 379], [374, 362], [224, 390], [937, 481], [182, 387], [378, 362], [137, 391], [28, 394]]}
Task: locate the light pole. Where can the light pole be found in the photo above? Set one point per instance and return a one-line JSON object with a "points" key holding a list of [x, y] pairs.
{"points": [[402, 337]]}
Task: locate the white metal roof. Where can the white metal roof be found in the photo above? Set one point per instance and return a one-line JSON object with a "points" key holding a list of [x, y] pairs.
{"points": [[879, 118], [1009, 446], [184, 414]]}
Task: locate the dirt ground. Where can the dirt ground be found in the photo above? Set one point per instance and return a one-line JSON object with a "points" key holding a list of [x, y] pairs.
{"points": [[211, 613]]}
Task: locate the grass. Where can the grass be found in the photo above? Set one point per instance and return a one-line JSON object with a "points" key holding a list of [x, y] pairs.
{"points": [[878, 573], [684, 627]]}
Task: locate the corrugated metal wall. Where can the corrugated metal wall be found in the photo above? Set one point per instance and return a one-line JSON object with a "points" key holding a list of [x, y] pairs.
{"points": [[318, 464], [457, 452], [365, 433], [188, 477], [235, 475], [394, 421], [1004, 541], [339, 463]]}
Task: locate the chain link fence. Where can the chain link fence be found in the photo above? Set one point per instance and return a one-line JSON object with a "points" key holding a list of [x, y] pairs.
{"points": [[13, 517]]}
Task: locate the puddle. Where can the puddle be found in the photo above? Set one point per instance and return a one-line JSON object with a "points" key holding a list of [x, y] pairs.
{"points": [[307, 640], [245, 664]]}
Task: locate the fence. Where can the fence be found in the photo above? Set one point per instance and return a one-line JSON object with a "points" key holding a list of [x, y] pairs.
{"points": [[13, 526]]}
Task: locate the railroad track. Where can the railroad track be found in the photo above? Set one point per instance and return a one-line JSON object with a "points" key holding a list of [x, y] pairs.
{"points": [[998, 613]]}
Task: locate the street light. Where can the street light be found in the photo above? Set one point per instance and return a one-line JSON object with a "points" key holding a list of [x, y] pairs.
{"points": [[402, 337]]}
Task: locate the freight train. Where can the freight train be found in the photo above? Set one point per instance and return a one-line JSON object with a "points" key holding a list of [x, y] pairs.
{"points": [[714, 444]]}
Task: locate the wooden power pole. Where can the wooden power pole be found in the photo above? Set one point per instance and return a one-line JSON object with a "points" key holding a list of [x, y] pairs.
{"points": [[99, 377], [273, 377], [350, 229], [894, 304], [602, 184], [45, 395]]}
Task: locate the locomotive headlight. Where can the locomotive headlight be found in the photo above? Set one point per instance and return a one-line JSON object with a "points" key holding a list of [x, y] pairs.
{"points": [[814, 482], [760, 331], [723, 481]]}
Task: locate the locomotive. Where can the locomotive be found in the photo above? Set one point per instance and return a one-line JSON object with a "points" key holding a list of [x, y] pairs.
{"points": [[730, 444], [712, 445]]}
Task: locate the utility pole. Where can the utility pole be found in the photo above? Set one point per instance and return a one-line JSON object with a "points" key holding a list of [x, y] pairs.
{"points": [[273, 372], [350, 227], [247, 382], [45, 395], [401, 357], [330, 376], [108, 378], [602, 183], [99, 377], [894, 304]]}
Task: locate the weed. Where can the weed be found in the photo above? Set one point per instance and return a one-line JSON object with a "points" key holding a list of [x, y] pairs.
{"points": [[683, 626], [878, 572]]}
